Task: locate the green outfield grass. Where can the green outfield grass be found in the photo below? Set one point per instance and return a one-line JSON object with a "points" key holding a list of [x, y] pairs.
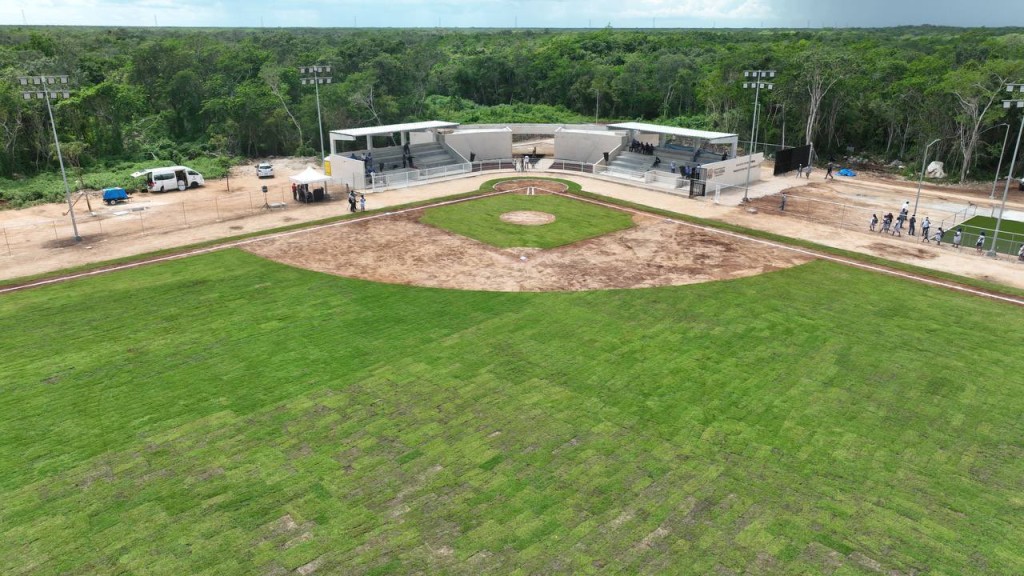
{"points": [[481, 220], [1011, 233], [229, 415]]}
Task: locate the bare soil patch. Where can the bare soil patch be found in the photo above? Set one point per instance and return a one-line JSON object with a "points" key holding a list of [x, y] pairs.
{"points": [[528, 217], [900, 251], [540, 185], [398, 249]]}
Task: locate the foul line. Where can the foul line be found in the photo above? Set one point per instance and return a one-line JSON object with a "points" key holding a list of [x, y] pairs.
{"points": [[235, 244], [813, 253]]}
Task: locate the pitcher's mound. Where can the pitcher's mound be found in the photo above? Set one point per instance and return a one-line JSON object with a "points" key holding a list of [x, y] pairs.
{"points": [[528, 217]]}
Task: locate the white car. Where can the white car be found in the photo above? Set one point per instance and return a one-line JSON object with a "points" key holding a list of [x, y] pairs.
{"points": [[264, 170]]}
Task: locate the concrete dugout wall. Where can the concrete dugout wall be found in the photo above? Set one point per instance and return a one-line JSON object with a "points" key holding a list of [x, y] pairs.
{"points": [[585, 145], [486, 144]]}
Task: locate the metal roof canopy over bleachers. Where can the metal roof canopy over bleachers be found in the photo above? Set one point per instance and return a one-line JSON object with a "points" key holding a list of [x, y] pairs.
{"points": [[353, 133], [704, 135]]}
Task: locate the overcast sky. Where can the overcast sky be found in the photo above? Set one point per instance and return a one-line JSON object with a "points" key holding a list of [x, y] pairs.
{"points": [[516, 13]]}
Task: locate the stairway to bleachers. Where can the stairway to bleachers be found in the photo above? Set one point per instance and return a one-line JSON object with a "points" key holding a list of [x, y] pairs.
{"points": [[632, 162], [424, 156]]}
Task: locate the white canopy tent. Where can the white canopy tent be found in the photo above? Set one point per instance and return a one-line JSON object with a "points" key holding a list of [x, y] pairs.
{"points": [[309, 176], [301, 190]]}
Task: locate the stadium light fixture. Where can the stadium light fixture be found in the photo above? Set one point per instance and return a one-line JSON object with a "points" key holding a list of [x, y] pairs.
{"points": [[52, 88], [757, 79], [1018, 103], [317, 75]]}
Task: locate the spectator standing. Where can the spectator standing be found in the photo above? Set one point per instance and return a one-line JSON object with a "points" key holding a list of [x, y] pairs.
{"points": [[782, 203], [362, 203], [925, 225], [873, 222], [913, 220], [958, 238], [938, 236], [526, 162], [979, 244]]}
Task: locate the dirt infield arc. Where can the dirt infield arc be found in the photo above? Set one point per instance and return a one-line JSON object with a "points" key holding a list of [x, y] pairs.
{"points": [[400, 249]]}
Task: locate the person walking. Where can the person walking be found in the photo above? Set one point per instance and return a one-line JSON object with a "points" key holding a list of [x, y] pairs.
{"points": [[913, 220], [873, 222], [938, 236], [526, 162], [925, 225], [896, 230], [829, 173], [782, 203], [979, 244], [958, 238]]}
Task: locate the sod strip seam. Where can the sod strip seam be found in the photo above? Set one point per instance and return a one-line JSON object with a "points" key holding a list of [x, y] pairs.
{"points": [[235, 244], [808, 252]]}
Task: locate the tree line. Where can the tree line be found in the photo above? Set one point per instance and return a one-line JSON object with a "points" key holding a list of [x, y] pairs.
{"points": [[175, 94]]}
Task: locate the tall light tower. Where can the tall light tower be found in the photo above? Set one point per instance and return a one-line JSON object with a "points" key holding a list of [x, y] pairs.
{"points": [[999, 166], [51, 88], [320, 75], [1018, 103], [924, 158], [757, 82]]}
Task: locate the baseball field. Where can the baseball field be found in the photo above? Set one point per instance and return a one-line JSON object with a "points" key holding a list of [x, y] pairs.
{"points": [[231, 414]]}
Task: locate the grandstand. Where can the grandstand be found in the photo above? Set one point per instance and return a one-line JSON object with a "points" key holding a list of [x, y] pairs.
{"points": [[423, 151]]}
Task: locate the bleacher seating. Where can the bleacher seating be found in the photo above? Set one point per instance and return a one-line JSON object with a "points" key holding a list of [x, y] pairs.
{"points": [[424, 156], [681, 155]]}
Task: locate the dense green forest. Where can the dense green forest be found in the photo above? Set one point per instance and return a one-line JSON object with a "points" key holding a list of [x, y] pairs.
{"points": [[143, 94]]}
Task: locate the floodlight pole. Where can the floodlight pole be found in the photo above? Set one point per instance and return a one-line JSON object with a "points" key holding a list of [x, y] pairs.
{"points": [[47, 94], [1013, 159], [924, 158], [316, 80], [757, 84], [1002, 153]]}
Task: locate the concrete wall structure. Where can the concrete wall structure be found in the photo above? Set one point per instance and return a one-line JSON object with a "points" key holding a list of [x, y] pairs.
{"points": [[345, 170], [733, 172], [586, 145], [486, 144]]}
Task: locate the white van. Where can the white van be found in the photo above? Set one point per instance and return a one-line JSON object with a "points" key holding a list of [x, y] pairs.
{"points": [[170, 178]]}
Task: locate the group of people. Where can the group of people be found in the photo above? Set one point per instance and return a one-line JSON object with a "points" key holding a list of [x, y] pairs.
{"points": [[352, 201], [369, 168], [897, 230], [641, 147], [926, 235], [522, 164]]}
